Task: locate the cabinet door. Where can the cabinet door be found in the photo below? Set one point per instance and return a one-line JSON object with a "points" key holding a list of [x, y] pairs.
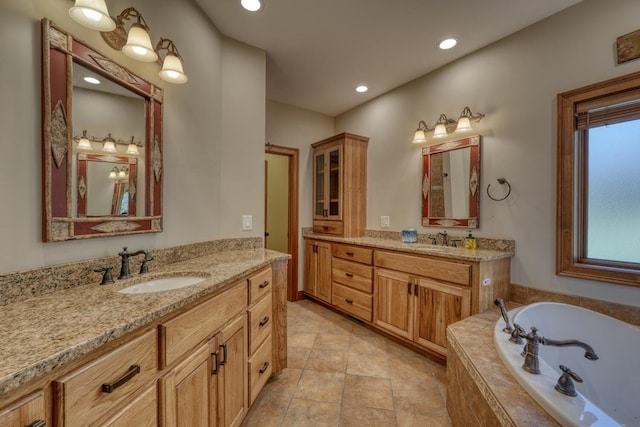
{"points": [[334, 182], [319, 186], [189, 393], [25, 412], [233, 378], [323, 271], [437, 306], [394, 302], [310, 267]]}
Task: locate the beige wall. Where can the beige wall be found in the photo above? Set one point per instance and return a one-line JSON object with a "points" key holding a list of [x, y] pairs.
{"points": [[201, 130], [514, 82]]}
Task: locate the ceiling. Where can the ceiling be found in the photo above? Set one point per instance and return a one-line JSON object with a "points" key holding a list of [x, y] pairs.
{"points": [[318, 51]]}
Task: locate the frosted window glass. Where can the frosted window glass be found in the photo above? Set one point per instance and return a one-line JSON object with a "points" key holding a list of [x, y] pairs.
{"points": [[613, 192]]}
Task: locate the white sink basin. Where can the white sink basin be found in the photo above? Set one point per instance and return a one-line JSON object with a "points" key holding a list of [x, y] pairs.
{"points": [[162, 284]]}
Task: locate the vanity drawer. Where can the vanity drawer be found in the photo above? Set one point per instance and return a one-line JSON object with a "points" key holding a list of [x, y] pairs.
{"points": [[354, 302], [453, 272], [260, 368], [182, 333], [328, 227], [352, 253], [259, 284], [260, 323], [142, 412], [352, 274], [88, 394]]}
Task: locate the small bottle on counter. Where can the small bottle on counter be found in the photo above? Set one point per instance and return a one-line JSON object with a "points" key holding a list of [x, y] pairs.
{"points": [[470, 241]]}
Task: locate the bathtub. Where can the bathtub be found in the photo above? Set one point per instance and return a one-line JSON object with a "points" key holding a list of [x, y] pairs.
{"points": [[610, 393]]}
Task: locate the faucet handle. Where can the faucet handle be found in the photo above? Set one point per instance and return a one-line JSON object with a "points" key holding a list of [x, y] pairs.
{"points": [[124, 251], [564, 384], [107, 278], [144, 267]]}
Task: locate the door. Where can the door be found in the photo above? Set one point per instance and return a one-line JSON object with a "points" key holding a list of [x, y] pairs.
{"points": [[310, 267], [394, 302], [233, 376], [189, 393], [437, 306], [323, 271]]}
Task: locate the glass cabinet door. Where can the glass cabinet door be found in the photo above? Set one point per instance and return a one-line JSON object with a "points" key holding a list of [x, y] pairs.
{"points": [[318, 191], [334, 166]]}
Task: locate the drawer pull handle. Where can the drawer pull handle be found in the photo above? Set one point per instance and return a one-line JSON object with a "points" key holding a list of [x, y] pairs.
{"points": [[348, 274], [349, 300], [37, 423], [133, 371], [215, 354], [263, 284], [264, 368], [325, 227], [350, 253], [409, 288], [223, 346], [264, 321]]}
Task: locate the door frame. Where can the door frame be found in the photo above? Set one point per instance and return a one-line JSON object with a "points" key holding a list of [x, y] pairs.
{"points": [[292, 269]]}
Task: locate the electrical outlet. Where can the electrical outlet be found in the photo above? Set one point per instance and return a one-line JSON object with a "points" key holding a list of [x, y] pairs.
{"points": [[385, 222], [247, 222]]}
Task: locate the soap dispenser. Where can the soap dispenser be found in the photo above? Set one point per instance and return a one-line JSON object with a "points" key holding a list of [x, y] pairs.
{"points": [[470, 241]]}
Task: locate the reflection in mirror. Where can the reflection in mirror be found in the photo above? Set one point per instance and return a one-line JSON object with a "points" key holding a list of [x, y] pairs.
{"points": [[450, 184], [110, 122]]}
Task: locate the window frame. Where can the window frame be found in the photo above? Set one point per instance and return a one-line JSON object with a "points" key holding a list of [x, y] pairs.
{"points": [[571, 188]]}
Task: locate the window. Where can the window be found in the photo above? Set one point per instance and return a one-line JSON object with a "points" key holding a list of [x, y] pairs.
{"points": [[598, 209]]}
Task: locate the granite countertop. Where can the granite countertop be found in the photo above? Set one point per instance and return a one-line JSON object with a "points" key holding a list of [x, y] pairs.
{"points": [[42, 333], [418, 247]]}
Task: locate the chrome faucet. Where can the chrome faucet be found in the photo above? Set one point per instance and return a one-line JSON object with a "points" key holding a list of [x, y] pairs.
{"points": [[442, 238], [125, 272], [500, 303], [530, 351]]}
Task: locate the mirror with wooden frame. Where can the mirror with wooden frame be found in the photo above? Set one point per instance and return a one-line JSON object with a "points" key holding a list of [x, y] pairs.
{"points": [[111, 183], [451, 183]]}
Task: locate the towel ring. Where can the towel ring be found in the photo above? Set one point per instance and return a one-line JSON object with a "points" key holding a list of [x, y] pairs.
{"points": [[500, 181]]}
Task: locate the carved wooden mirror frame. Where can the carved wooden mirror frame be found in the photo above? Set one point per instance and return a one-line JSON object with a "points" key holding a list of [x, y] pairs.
{"points": [[59, 51], [429, 179]]}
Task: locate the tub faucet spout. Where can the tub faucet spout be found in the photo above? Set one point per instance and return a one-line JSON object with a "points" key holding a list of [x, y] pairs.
{"points": [[589, 353]]}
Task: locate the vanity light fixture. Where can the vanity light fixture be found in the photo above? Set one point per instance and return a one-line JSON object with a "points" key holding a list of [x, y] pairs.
{"points": [[132, 148], [138, 44], [109, 144], [445, 125], [172, 71], [92, 14], [83, 142], [114, 173], [251, 5], [122, 173]]}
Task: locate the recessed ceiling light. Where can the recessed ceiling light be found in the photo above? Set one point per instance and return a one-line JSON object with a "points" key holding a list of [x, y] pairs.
{"points": [[361, 89], [251, 5], [92, 80], [448, 43]]}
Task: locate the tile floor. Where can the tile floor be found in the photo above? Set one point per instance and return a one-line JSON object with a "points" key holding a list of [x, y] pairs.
{"points": [[342, 374]]}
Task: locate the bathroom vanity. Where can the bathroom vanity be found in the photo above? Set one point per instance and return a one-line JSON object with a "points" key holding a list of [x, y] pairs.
{"points": [[194, 356], [408, 291]]}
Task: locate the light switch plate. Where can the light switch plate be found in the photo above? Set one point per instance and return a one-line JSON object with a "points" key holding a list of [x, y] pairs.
{"points": [[385, 222], [247, 222]]}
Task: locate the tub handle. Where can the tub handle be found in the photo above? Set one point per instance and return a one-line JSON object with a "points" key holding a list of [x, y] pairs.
{"points": [[565, 384]]}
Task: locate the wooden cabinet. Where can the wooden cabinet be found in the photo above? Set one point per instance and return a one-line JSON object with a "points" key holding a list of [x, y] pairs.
{"points": [[352, 280], [28, 411], [420, 308], [340, 185], [142, 411], [317, 269], [260, 333], [233, 380]]}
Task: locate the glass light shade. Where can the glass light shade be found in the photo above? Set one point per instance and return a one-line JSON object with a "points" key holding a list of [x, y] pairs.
{"points": [[251, 5], [440, 131], [114, 173], [138, 45], [122, 173], [172, 70], [109, 146], [92, 14], [464, 124], [132, 149], [419, 137], [84, 144]]}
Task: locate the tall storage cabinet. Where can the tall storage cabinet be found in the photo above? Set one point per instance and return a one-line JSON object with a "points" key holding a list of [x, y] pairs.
{"points": [[340, 185]]}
